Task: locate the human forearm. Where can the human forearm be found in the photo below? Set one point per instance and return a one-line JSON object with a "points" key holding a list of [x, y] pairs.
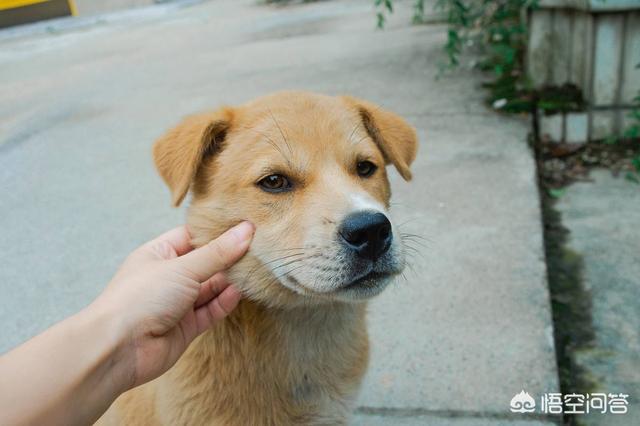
{"points": [[164, 296], [67, 375]]}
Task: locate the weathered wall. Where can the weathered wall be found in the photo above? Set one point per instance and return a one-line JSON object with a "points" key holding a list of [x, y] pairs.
{"points": [[594, 48]]}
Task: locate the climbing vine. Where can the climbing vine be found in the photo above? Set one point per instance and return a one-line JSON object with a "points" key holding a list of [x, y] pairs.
{"points": [[494, 29]]}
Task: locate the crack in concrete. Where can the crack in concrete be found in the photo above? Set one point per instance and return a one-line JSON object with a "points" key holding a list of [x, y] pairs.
{"points": [[453, 414], [570, 299]]}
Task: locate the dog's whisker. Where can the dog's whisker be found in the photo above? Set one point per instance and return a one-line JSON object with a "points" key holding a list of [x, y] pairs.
{"points": [[324, 268], [410, 266], [282, 258], [289, 271], [361, 139], [410, 244], [262, 264], [291, 262], [298, 257], [421, 241], [418, 236], [289, 249], [282, 275], [284, 138], [413, 219], [413, 251], [353, 131], [415, 245], [259, 132], [273, 144]]}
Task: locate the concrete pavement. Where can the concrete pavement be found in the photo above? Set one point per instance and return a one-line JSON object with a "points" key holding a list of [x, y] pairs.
{"points": [[452, 345], [96, 7], [602, 217]]}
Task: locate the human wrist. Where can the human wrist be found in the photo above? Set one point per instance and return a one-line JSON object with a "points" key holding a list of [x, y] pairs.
{"points": [[111, 333], [87, 367]]}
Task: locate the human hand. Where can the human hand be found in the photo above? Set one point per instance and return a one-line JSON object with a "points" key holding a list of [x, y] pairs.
{"points": [[166, 294]]}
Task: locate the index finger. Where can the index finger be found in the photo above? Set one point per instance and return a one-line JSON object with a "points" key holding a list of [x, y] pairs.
{"points": [[219, 254], [178, 238]]}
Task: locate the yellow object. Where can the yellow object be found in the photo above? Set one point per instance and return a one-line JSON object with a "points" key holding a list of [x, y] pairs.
{"points": [[72, 7], [12, 4]]}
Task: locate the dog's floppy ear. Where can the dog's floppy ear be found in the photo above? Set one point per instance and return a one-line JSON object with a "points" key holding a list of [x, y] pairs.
{"points": [[394, 136], [179, 153]]}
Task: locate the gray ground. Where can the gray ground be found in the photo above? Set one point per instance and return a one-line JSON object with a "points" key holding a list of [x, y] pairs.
{"points": [[603, 219], [96, 7], [81, 104]]}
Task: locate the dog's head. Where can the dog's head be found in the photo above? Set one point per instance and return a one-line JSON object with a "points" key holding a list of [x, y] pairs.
{"points": [[309, 171]]}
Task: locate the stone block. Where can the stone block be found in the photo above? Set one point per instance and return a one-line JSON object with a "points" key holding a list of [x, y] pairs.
{"points": [[607, 59], [631, 71], [576, 127], [551, 126], [602, 124]]}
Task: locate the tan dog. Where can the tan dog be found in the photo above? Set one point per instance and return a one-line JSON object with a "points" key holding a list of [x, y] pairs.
{"points": [[309, 171]]}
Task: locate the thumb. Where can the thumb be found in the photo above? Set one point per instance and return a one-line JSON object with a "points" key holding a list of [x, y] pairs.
{"points": [[219, 254]]}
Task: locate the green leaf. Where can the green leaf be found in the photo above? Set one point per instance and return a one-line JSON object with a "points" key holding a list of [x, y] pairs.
{"points": [[389, 5], [556, 192], [632, 132], [632, 177]]}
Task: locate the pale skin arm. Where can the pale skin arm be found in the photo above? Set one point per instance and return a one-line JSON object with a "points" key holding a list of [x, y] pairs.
{"points": [[164, 296]]}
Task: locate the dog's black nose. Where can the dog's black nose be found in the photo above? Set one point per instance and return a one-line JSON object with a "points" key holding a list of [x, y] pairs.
{"points": [[367, 233]]}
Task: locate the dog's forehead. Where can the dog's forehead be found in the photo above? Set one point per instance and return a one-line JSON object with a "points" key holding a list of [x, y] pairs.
{"points": [[294, 100], [304, 113], [313, 123]]}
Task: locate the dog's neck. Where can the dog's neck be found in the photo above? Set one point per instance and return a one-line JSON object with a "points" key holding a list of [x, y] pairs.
{"points": [[298, 330], [301, 359], [312, 317]]}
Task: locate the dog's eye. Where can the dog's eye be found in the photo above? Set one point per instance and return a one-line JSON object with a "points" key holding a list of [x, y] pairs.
{"points": [[274, 183], [366, 168]]}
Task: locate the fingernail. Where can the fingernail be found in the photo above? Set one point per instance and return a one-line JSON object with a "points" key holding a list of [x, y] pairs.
{"points": [[244, 230]]}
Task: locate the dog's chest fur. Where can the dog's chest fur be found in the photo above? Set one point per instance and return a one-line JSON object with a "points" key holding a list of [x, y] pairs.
{"points": [[263, 366]]}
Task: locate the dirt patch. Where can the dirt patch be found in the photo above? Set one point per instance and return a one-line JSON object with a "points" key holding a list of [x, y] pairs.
{"points": [[561, 164], [570, 305]]}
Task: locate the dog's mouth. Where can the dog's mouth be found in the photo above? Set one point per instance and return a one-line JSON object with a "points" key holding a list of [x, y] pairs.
{"points": [[363, 287], [369, 280], [366, 286]]}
